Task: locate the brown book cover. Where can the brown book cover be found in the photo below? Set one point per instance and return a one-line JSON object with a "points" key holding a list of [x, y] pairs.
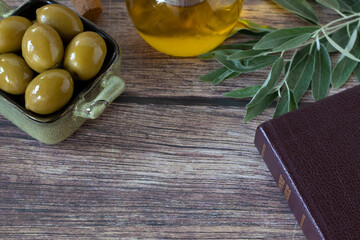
{"points": [[313, 154]]}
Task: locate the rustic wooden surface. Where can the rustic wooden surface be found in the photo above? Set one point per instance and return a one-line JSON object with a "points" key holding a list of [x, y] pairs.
{"points": [[169, 159]]}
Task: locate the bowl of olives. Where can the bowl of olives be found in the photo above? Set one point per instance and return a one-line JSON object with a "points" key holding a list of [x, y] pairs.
{"points": [[57, 69]]}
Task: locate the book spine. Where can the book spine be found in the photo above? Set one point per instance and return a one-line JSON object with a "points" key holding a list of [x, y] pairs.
{"points": [[287, 186]]}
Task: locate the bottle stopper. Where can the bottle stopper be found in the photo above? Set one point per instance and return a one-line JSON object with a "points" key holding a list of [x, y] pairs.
{"points": [[90, 9]]}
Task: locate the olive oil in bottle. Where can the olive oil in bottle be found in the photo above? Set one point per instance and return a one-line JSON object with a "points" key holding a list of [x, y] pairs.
{"points": [[184, 27]]}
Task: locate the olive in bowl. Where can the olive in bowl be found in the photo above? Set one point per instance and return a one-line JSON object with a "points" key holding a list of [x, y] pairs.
{"points": [[62, 19], [49, 91], [15, 74], [85, 55], [12, 30], [42, 47]]}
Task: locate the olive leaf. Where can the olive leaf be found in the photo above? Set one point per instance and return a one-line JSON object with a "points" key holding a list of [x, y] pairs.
{"points": [[219, 75], [341, 37], [292, 103], [333, 4], [243, 93], [293, 43], [249, 66], [350, 2], [254, 26], [300, 76], [247, 25], [299, 55], [279, 37], [227, 49], [241, 46], [301, 8], [228, 75], [322, 74], [356, 7], [351, 43], [282, 105], [340, 49], [345, 66], [345, 7], [211, 55], [270, 82], [245, 54], [286, 103], [214, 74], [353, 4], [255, 110]]}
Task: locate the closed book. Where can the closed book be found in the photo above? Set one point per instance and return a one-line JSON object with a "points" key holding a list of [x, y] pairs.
{"points": [[313, 154]]}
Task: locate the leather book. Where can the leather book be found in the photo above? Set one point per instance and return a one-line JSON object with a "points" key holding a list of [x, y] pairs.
{"points": [[313, 154]]}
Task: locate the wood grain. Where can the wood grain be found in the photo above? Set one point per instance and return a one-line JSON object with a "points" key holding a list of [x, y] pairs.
{"points": [[169, 159], [154, 171]]}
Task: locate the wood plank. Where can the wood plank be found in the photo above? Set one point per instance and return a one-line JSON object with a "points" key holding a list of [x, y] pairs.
{"points": [[143, 171], [170, 159]]}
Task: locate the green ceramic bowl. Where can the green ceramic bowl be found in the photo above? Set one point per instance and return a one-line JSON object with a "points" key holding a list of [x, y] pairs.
{"points": [[90, 98]]}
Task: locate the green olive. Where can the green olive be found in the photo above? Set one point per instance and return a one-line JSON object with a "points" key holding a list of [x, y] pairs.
{"points": [[49, 91], [42, 47], [12, 30], [15, 74], [62, 19], [85, 54]]}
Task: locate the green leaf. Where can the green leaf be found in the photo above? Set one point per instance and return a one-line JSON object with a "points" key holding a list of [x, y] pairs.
{"points": [[344, 7], [300, 76], [213, 75], [357, 72], [219, 75], [299, 55], [286, 103], [345, 66], [341, 37], [351, 2], [250, 66], [292, 104], [301, 8], [211, 55], [230, 74], [270, 82], [228, 48], [356, 7], [333, 4], [254, 26], [340, 49], [283, 104], [293, 43], [322, 74], [243, 93], [245, 54], [241, 46], [254, 111], [207, 56], [352, 40], [250, 26], [279, 37]]}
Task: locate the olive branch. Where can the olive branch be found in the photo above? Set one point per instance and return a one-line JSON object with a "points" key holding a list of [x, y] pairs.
{"points": [[309, 64]]}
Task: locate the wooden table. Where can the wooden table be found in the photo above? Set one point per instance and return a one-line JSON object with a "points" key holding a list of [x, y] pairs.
{"points": [[169, 159]]}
